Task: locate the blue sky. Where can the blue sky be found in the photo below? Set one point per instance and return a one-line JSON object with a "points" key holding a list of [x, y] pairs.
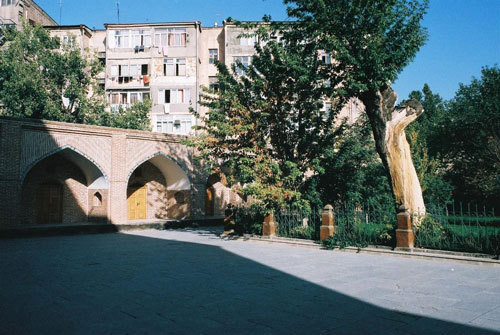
{"points": [[464, 35]]}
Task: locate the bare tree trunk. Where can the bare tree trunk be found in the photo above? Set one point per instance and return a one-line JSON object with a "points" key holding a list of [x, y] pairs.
{"points": [[388, 124]]}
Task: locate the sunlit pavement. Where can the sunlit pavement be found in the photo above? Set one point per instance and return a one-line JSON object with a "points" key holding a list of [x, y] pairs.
{"points": [[193, 282]]}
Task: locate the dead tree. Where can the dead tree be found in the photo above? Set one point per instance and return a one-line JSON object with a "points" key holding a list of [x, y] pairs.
{"points": [[388, 123]]}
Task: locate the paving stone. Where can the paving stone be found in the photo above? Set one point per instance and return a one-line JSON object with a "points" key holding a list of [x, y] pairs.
{"points": [[193, 282]]}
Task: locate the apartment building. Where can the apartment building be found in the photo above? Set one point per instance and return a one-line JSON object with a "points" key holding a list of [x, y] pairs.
{"points": [[157, 61], [13, 11], [76, 37]]}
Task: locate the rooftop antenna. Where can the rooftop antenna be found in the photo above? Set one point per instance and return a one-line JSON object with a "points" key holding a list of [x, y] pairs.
{"points": [[118, 10], [60, 12]]}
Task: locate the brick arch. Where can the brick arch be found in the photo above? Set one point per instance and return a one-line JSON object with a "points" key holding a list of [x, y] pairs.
{"points": [[151, 157], [37, 144], [60, 149]]}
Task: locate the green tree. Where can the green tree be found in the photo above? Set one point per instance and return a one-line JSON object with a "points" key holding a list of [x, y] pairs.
{"points": [[470, 139], [41, 79], [265, 123], [424, 135], [371, 42], [349, 171], [134, 117]]}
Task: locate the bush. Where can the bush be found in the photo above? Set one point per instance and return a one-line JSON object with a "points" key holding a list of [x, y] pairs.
{"points": [[249, 219]]}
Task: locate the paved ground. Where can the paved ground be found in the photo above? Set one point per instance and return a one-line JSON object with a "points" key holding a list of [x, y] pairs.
{"points": [[192, 282]]}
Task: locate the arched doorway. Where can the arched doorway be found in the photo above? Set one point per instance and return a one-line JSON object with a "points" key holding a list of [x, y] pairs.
{"points": [[158, 189], [215, 194], [137, 202], [60, 187], [209, 201], [49, 198]]}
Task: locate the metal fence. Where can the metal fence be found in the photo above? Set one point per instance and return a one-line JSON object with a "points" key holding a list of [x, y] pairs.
{"points": [[363, 225], [297, 223], [465, 228]]}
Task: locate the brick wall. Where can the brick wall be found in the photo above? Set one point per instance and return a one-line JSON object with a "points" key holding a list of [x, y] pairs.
{"points": [[55, 170], [27, 146]]}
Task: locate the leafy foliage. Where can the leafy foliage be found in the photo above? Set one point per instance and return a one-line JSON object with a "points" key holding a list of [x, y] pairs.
{"points": [[349, 170], [422, 136], [266, 125], [371, 41], [470, 139], [134, 117], [41, 79]]}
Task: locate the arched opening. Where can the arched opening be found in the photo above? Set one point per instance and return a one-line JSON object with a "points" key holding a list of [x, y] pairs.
{"points": [[61, 188], [97, 201], [158, 189], [215, 194], [209, 201]]}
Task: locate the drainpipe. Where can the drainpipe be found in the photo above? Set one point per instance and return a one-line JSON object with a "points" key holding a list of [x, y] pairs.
{"points": [[198, 25]]}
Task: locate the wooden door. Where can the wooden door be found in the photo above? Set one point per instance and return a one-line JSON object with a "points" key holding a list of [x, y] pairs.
{"points": [[136, 199], [209, 201], [49, 204]]}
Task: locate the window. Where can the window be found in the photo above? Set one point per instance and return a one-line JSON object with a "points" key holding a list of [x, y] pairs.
{"points": [[132, 38], [174, 124], [177, 37], [174, 96], [141, 38], [213, 54], [213, 83], [134, 97], [326, 58], [7, 2], [122, 38], [244, 60], [327, 110], [126, 98], [170, 37], [68, 41], [161, 37], [125, 73], [174, 67], [248, 40]]}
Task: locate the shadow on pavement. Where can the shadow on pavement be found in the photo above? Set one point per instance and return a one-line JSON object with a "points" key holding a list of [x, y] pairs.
{"points": [[126, 284]]}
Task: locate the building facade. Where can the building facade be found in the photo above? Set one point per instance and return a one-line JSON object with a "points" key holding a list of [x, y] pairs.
{"points": [[12, 12], [54, 172]]}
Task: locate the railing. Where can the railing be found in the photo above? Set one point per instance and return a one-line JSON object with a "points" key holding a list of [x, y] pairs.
{"points": [[363, 225], [461, 228], [295, 223], [465, 228]]}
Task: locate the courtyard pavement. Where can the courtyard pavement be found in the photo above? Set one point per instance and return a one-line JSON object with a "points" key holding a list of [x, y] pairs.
{"points": [[193, 282]]}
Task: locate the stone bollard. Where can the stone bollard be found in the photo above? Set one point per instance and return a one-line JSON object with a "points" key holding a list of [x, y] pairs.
{"points": [[269, 226], [327, 228], [404, 233]]}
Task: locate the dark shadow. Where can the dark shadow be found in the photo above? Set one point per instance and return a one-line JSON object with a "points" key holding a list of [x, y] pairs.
{"points": [[118, 284]]}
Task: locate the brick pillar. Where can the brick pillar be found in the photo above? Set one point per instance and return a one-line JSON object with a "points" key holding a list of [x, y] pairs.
{"points": [[269, 226], [118, 182], [327, 228], [404, 233]]}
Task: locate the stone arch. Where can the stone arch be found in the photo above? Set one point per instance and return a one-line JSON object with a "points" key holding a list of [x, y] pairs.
{"points": [[80, 178], [160, 183], [90, 165], [178, 180]]}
